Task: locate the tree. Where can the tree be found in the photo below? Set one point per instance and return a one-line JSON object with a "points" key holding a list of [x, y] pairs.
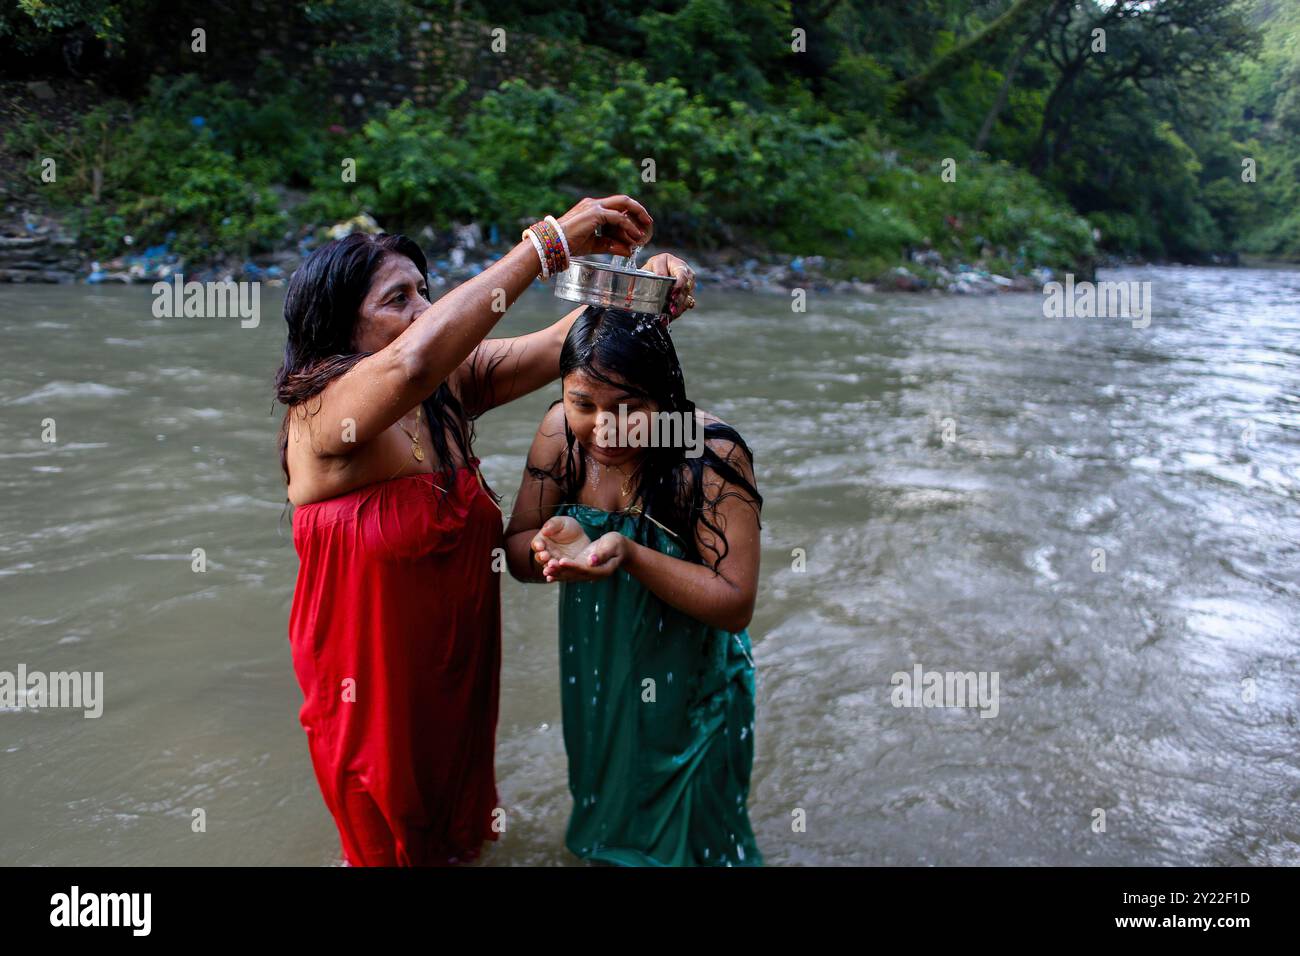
{"points": [[1182, 42]]}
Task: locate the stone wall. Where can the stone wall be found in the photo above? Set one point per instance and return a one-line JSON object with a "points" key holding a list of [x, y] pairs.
{"points": [[35, 248], [436, 55]]}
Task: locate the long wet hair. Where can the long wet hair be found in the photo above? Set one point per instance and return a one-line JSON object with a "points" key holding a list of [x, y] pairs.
{"points": [[634, 352], [321, 310]]}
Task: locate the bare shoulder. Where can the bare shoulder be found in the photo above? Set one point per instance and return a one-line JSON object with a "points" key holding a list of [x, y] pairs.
{"points": [[723, 446], [552, 424], [728, 449], [707, 418], [550, 444]]}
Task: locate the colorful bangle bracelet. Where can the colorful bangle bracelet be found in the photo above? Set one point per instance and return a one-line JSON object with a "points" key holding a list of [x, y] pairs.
{"points": [[546, 246], [554, 248], [551, 244], [564, 240]]}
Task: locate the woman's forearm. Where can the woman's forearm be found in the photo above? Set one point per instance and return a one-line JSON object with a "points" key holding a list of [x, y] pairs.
{"points": [[519, 365], [444, 335], [442, 338], [693, 589], [540, 361]]}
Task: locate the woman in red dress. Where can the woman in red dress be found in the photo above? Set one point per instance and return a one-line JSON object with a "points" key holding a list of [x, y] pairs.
{"points": [[395, 628]]}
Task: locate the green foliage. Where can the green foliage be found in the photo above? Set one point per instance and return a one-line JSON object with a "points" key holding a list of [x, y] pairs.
{"points": [[158, 176], [722, 48], [1263, 115], [411, 169], [990, 208], [860, 88], [818, 152], [29, 18], [266, 135], [720, 174], [788, 180], [358, 31]]}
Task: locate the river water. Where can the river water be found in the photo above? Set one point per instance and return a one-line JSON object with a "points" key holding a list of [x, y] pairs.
{"points": [[1107, 518]]}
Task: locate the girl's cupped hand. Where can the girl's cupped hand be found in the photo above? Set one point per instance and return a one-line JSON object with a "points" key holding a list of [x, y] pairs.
{"points": [[567, 554]]}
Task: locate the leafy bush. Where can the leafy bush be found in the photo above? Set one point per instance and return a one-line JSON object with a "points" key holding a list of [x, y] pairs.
{"points": [[199, 164]]}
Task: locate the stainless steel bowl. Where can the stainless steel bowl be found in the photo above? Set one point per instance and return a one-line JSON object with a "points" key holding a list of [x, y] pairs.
{"points": [[607, 284]]}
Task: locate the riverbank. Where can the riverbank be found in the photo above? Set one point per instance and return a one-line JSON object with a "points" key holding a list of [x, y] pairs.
{"points": [[203, 179], [36, 247], [59, 235]]}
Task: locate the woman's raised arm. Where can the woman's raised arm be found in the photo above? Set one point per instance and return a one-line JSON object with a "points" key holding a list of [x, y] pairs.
{"points": [[382, 387]]}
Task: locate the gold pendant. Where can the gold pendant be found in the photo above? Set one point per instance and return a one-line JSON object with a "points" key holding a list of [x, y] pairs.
{"points": [[418, 452]]}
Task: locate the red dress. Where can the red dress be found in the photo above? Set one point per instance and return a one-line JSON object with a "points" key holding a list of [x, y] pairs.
{"points": [[396, 638]]}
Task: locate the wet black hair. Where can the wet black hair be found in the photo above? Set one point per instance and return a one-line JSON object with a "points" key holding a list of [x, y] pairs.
{"points": [[634, 352]]}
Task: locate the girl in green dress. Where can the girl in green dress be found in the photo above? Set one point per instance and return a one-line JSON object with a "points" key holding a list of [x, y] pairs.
{"points": [[652, 531]]}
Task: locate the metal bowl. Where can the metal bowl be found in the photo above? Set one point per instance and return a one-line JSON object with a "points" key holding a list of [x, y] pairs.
{"points": [[612, 286]]}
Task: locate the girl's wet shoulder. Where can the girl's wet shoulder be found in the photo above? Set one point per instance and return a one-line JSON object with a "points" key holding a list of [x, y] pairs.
{"points": [[731, 446], [708, 418], [553, 421], [550, 439]]}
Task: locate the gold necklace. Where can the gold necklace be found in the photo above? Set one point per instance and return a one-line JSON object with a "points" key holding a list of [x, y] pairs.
{"points": [[416, 451], [595, 467], [624, 488]]}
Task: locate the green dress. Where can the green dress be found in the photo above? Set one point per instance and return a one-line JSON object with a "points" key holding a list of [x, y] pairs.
{"points": [[658, 720]]}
